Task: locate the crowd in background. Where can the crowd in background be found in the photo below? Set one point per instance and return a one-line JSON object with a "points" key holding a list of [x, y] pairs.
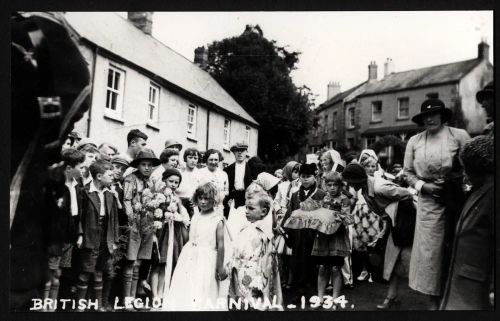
{"points": [[185, 232]]}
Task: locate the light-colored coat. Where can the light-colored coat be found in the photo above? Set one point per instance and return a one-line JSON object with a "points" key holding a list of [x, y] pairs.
{"points": [[429, 158]]}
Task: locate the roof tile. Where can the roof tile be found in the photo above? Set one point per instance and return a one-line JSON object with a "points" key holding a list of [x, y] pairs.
{"points": [[116, 34]]}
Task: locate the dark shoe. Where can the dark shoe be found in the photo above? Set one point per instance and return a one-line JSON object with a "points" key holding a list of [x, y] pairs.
{"points": [[389, 303]]}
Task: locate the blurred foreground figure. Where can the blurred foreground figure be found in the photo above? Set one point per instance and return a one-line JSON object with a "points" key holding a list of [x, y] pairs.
{"points": [[50, 91]]}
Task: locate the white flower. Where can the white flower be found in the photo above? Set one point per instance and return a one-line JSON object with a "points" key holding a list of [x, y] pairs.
{"points": [[158, 213], [172, 207], [137, 207], [160, 198], [169, 216]]}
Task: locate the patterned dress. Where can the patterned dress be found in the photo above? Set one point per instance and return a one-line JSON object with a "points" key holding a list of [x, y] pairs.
{"points": [[253, 269], [367, 225]]}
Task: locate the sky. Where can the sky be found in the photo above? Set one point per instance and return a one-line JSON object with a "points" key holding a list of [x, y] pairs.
{"points": [[338, 46]]}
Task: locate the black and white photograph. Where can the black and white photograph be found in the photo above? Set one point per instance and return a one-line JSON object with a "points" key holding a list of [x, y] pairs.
{"points": [[333, 161]]}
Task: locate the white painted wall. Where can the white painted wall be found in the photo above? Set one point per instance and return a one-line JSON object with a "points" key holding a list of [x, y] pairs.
{"points": [[172, 120]]}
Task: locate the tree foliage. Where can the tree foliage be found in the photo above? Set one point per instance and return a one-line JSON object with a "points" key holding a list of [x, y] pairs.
{"points": [[256, 71]]}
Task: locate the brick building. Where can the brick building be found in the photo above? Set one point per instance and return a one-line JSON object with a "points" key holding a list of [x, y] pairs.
{"points": [[385, 107]]}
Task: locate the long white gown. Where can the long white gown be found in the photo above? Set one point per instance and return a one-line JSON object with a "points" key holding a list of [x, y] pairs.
{"points": [[194, 286]]}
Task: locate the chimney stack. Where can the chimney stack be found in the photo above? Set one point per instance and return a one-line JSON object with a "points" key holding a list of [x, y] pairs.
{"points": [[483, 50], [388, 67], [142, 20], [333, 89], [201, 56], [372, 71]]}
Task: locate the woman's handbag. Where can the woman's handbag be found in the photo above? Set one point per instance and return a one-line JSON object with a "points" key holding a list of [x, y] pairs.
{"points": [[403, 228]]}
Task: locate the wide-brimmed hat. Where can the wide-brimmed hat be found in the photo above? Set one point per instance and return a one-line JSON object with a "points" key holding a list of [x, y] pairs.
{"points": [[145, 154], [120, 159], [432, 105], [354, 173], [239, 146], [487, 91], [172, 143]]}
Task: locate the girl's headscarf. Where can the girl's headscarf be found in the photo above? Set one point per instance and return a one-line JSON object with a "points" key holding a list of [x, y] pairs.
{"points": [[367, 153], [370, 153], [338, 162], [288, 169]]}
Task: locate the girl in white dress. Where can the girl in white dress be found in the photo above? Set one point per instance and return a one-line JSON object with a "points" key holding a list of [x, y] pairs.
{"points": [[196, 282]]}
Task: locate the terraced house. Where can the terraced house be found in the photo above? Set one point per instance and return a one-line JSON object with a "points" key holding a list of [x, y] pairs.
{"points": [[139, 82], [363, 114]]}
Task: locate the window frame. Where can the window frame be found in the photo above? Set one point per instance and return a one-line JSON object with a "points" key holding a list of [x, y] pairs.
{"points": [[407, 107], [154, 104], [120, 92], [227, 133], [351, 119], [247, 134], [191, 133], [325, 130], [334, 121], [373, 104], [373, 139]]}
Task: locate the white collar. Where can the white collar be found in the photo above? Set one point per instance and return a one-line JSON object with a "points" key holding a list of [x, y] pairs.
{"points": [[73, 183], [94, 189]]}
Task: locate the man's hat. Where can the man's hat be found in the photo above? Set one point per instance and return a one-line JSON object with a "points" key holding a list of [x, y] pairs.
{"points": [[145, 154], [239, 146], [432, 105], [308, 169], [86, 145], [120, 159], [172, 143], [354, 173], [487, 91]]}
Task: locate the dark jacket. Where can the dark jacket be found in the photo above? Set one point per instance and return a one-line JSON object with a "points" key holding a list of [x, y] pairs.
{"points": [[470, 278], [230, 171], [61, 226], [238, 196], [301, 241], [90, 217]]}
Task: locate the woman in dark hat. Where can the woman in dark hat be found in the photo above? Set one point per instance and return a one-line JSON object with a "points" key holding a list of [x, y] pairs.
{"points": [[486, 98], [430, 163]]}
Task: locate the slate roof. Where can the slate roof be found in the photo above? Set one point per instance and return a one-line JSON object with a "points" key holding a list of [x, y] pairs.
{"points": [[119, 36], [338, 97], [421, 77]]}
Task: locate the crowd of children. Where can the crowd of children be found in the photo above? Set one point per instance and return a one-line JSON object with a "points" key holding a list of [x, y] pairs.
{"points": [[133, 226]]}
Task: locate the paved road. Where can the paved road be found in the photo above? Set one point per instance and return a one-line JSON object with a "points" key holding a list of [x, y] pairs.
{"points": [[363, 297]]}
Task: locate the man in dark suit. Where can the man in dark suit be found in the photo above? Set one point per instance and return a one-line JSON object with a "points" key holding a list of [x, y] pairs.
{"points": [[239, 175], [470, 284]]}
